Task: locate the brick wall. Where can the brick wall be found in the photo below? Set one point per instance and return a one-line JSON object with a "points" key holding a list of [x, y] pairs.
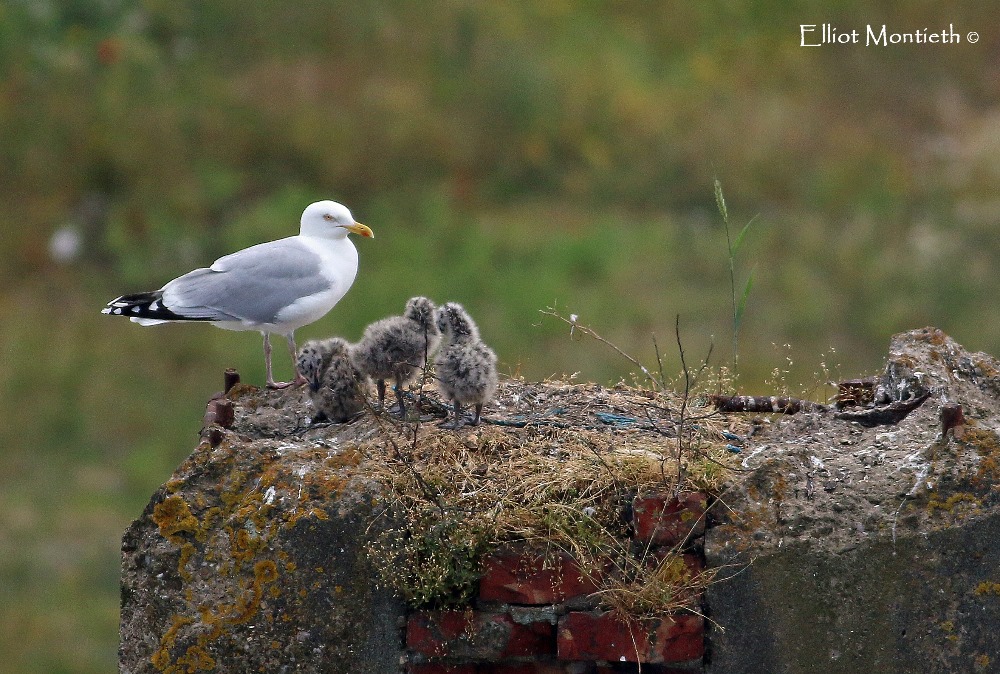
{"points": [[535, 619]]}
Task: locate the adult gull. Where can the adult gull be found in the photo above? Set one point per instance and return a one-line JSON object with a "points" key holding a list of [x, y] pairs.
{"points": [[273, 287]]}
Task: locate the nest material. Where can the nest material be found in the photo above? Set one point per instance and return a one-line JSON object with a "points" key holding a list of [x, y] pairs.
{"points": [[556, 469]]}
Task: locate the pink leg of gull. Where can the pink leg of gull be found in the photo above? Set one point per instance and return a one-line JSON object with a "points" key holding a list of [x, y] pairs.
{"points": [[299, 379]]}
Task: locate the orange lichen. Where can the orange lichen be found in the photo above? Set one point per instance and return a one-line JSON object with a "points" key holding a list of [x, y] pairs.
{"points": [[240, 390], [161, 658], [243, 545], [988, 587], [174, 517], [953, 502], [987, 445], [346, 458], [208, 519], [195, 659], [187, 551], [265, 571]]}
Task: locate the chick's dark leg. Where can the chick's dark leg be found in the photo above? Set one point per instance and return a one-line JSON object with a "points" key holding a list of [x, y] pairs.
{"points": [[479, 411], [380, 386], [399, 399]]}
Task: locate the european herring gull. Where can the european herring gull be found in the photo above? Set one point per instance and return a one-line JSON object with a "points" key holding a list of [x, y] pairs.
{"points": [[276, 287], [465, 367]]}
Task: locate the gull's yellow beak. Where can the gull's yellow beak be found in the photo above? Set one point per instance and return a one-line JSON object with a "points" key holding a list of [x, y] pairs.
{"points": [[360, 230]]}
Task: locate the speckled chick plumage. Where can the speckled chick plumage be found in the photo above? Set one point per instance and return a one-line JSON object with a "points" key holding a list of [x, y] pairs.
{"points": [[397, 347], [466, 368], [312, 360], [336, 385]]}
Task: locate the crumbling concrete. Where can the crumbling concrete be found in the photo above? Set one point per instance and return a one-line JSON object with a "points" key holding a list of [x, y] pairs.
{"points": [[855, 549]]}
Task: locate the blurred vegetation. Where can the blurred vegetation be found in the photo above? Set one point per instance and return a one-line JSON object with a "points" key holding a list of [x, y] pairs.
{"points": [[508, 156]]}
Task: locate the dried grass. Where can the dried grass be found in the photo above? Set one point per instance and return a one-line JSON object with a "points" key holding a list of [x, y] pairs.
{"points": [[554, 476]]}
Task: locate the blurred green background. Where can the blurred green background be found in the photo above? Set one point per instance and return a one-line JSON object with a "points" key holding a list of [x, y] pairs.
{"points": [[511, 156]]}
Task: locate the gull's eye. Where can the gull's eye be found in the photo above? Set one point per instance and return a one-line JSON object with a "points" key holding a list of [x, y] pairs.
{"points": [[328, 217]]}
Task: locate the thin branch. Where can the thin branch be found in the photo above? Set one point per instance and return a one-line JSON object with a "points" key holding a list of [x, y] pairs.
{"points": [[575, 326], [684, 402]]}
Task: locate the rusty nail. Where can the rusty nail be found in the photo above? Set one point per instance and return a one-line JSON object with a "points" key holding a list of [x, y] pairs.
{"points": [[952, 416], [230, 378]]}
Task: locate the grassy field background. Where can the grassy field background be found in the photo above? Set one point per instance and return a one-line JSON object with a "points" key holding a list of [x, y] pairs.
{"points": [[512, 157]]}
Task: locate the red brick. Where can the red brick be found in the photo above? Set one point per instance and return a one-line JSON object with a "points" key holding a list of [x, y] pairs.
{"points": [[473, 634], [440, 668], [669, 520], [590, 636], [519, 578], [430, 632]]}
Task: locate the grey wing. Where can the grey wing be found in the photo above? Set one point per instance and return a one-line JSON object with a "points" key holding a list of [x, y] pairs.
{"points": [[251, 285]]}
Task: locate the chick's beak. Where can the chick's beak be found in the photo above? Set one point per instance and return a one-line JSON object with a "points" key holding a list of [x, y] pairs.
{"points": [[360, 230]]}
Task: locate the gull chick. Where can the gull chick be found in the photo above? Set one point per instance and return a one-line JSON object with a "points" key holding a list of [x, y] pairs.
{"points": [[398, 347], [335, 384], [466, 368], [273, 287]]}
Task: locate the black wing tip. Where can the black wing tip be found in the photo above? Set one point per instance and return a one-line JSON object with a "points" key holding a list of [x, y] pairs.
{"points": [[144, 305]]}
